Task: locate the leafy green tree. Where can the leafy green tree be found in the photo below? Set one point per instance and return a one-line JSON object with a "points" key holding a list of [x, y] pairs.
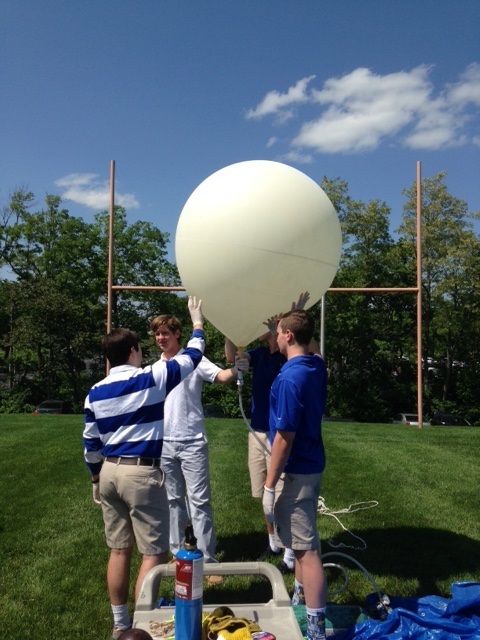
{"points": [[368, 334], [53, 307], [450, 268], [56, 306], [139, 259], [55, 301]]}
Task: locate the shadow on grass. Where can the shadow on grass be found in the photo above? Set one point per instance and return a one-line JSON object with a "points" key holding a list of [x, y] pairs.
{"points": [[242, 548], [423, 554], [240, 589]]}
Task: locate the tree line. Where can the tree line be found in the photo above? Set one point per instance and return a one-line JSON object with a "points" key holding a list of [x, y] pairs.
{"points": [[53, 298]]}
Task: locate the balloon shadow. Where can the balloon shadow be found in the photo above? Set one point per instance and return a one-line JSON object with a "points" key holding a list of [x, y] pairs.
{"points": [[424, 554]]}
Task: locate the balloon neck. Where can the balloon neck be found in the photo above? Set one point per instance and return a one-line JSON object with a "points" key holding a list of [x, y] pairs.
{"points": [[240, 353]]}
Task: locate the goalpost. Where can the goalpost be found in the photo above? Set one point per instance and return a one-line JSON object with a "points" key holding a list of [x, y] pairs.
{"points": [[376, 290]]}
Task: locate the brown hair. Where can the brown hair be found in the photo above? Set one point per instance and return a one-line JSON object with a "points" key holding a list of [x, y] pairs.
{"points": [[171, 322], [300, 323], [117, 345]]}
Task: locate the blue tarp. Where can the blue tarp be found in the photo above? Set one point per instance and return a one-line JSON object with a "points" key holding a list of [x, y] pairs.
{"points": [[427, 618]]}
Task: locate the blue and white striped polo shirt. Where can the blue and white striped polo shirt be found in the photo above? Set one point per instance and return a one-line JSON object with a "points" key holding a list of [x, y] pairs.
{"points": [[124, 411]]}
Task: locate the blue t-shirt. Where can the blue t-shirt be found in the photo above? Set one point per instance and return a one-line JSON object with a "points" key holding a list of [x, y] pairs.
{"points": [[266, 367], [297, 403]]}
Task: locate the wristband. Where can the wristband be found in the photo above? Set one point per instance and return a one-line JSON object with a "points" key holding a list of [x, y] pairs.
{"points": [[96, 481]]}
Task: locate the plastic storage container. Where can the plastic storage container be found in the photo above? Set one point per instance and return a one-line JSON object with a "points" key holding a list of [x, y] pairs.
{"points": [[275, 616]]}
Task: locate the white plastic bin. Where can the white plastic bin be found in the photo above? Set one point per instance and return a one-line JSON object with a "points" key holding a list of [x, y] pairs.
{"points": [[276, 616]]}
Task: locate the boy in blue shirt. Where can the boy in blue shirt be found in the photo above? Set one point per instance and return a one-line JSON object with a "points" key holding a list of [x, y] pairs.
{"points": [[297, 404]]}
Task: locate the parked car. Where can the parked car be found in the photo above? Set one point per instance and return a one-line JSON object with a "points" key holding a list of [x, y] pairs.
{"points": [[449, 420], [50, 406], [408, 419]]}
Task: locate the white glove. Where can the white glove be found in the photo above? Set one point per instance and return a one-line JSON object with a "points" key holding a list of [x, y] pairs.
{"points": [[96, 493], [195, 309], [301, 302], [268, 503], [242, 364]]}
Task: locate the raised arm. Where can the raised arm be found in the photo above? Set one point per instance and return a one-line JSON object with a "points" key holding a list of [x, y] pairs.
{"points": [[230, 350], [225, 376], [182, 364]]}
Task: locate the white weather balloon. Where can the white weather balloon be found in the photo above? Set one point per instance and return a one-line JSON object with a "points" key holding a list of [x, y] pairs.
{"points": [[250, 239]]}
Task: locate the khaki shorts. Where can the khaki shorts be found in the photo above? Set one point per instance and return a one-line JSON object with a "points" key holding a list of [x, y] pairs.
{"points": [[258, 461], [296, 511], [135, 508]]}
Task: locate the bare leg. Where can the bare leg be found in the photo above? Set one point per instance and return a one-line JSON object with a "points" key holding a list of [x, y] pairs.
{"points": [[298, 571], [118, 575], [148, 562], [309, 572]]}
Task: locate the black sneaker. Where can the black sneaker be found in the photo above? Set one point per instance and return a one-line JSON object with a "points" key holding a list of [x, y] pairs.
{"points": [[284, 568], [268, 553]]}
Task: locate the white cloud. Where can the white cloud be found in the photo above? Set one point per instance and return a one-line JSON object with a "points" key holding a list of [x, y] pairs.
{"points": [[279, 104], [442, 122], [273, 140], [467, 90], [437, 127], [361, 110], [86, 189], [296, 157]]}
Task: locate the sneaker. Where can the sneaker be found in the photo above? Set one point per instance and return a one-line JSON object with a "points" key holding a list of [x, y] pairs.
{"points": [[284, 568], [117, 632], [268, 553]]}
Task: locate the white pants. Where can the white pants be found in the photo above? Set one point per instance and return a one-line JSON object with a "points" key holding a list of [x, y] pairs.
{"points": [[187, 475]]}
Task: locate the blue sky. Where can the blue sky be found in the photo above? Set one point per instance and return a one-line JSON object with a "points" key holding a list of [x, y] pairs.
{"points": [[174, 90]]}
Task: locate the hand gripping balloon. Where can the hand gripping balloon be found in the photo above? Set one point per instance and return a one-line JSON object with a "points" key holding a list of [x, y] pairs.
{"points": [[249, 238]]}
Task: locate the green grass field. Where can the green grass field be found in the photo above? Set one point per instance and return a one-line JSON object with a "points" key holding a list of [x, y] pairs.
{"points": [[423, 535]]}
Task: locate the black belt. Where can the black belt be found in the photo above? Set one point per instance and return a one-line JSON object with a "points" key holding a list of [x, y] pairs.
{"points": [[143, 462]]}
